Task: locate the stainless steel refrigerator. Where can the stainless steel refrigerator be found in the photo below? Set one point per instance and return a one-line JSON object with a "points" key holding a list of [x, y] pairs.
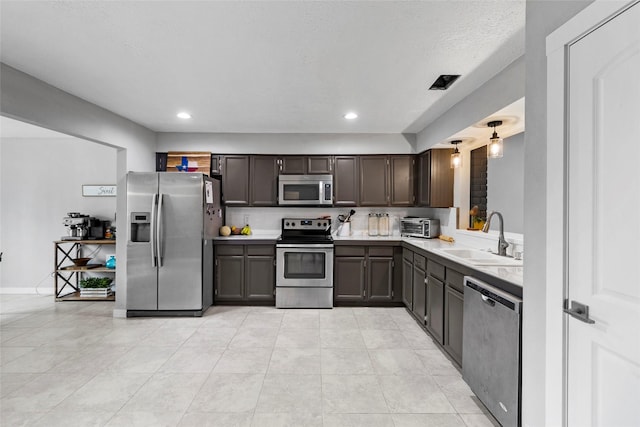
{"points": [[172, 219]]}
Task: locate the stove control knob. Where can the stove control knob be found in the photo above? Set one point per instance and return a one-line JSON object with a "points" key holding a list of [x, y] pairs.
{"points": [[286, 224], [324, 224]]}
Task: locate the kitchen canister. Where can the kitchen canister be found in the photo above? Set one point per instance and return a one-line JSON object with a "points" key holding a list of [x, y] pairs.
{"points": [[383, 224], [373, 224]]}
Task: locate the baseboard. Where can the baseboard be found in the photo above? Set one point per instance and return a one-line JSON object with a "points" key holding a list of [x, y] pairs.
{"points": [[26, 291]]}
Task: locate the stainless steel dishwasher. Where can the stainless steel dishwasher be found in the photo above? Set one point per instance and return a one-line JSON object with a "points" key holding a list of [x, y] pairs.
{"points": [[491, 348]]}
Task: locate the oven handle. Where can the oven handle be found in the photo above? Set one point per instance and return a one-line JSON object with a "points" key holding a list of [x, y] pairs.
{"points": [[305, 246]]}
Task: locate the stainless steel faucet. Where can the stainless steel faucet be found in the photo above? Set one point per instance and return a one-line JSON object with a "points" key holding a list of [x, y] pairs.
{"points": [[502, 243]]}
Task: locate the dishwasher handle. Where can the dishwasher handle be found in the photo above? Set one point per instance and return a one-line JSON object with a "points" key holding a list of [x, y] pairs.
{"points": [[492, 295], [488, 301]]}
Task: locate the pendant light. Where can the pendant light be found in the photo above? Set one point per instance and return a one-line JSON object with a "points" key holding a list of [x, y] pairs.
{"points": [[456, 157], [494, 149]]}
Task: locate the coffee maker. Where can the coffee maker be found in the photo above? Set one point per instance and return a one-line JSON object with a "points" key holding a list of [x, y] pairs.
{"points": [[77, 226]]}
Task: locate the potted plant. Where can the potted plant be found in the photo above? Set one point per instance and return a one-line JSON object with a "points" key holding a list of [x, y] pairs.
{"points": [[95, 286]]}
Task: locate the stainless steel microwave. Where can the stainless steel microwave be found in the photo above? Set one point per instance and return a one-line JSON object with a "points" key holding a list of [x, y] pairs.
{"points": [[305, 190]]}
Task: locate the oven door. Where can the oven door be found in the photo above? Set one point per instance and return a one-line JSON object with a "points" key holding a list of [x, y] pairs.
{"points": [[304, 265]]}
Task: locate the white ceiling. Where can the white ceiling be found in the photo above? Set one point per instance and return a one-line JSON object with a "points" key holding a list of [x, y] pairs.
{"points": [[265, 66]]}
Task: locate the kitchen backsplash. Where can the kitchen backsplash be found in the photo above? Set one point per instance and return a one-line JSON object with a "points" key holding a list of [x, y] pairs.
{"points": [[268, 220]]}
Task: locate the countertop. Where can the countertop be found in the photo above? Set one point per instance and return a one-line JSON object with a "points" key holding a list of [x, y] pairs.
{"points": [[511, 274]]}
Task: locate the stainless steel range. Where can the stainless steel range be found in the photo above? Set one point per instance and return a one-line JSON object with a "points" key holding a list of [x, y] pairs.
{"points": [[304, 264]]}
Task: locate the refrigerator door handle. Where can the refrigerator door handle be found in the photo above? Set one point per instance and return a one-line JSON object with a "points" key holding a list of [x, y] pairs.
{"points": [[159, 231], [154, 205]]}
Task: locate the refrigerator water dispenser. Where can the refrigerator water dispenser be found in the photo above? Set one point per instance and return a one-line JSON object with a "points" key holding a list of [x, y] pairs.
{"points": [[140, 226]]}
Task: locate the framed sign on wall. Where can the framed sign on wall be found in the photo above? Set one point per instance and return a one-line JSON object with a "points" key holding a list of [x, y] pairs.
{"points": [[99, 190]]}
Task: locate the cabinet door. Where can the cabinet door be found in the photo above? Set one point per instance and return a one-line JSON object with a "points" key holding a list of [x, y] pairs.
{"points": [[424, 178], [293, 165], [374, 181], [401, 180], [419, 306], [229, 278], [453, 312], [345, 181], [349, 279], [441, 179], [320, 165], [435, 308], [380, 279], [407, 282], [264, 181], [216, 164], [235, 181], [260, 278]]}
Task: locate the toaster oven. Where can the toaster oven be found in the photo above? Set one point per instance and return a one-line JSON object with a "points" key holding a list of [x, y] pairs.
{"points": [[425, 228]]}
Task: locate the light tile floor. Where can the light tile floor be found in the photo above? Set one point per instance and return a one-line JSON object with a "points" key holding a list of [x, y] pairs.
{"points": [[73, 364]]}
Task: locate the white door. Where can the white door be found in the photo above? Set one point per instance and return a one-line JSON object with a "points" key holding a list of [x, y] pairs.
{"points": [[603, 259]]}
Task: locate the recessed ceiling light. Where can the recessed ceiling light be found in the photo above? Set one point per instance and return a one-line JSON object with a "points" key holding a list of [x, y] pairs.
{"points": [[351, 116], [184, 115]]}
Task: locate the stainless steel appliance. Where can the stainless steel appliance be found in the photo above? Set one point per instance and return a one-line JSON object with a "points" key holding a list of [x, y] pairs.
{"points": [[425, 228], [491, 346], [305, 190], [172, 218], [77, 226], [304, 264]]}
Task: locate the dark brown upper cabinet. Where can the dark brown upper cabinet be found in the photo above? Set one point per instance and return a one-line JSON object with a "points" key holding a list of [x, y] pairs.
{"points": [[401, 169], [345, 181], [320, 165], [293, 165], [387, 180], [306, 165], [435, 179], [264, 181], [374, 181], [235, 180]]}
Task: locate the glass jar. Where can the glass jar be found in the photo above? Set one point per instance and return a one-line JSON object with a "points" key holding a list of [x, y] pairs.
{"points": [[373, 224], [383, 224]]}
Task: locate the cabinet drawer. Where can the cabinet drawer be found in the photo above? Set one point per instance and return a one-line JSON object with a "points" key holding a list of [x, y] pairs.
{"points": [[419, 261], [349, 250], [230, 250], [408, 255], [455, 280], [260, 249], [436, 270], [382, 251]]}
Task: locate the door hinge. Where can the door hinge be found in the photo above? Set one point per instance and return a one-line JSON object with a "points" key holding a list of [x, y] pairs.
{"points": [[274, 262], [393, 264], [364, 263], [392, 294], [216, 262], [215, 292]]}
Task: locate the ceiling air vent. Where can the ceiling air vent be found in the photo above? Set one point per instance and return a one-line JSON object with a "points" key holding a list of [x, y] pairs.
{"points": [[444, 81]]}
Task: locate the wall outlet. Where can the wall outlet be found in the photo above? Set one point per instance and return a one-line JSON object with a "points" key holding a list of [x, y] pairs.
{"points": [[246, 220]]}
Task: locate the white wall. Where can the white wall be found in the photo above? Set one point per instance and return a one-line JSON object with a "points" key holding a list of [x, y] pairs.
{"points": [[30, 100], [40, 181], [541, 405], [505, 185], [274, 143]]}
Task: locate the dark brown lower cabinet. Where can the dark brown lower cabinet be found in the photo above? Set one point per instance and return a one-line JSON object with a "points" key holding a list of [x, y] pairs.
{"points": [[366, 274], [419, 288], [407, 278], [245, 273], [349, 282], [454, 304], [435, 308]]}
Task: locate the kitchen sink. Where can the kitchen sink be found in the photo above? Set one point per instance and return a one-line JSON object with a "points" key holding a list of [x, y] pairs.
{"points": [[478, 257]]}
